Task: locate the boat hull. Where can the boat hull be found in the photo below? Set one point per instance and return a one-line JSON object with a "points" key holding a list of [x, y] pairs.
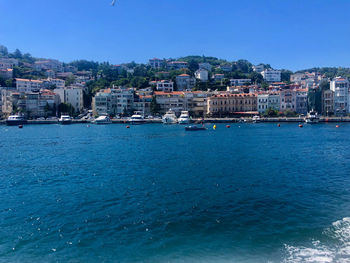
{"points": [[15, 122], [195, 128], [65, 122]]}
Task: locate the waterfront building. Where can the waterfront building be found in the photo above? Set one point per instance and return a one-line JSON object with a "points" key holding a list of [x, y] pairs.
{"points": [[340, 87], [165, 85], [143, 104], [287, 100], [202, 75], [240, 82], [156, 63], [231, 104], [185, 82], [314, 99], [327, 102], [301, 101], [114, 101], [274, 101], [263, 102], [32, 104], [72, 95], [268, 101], [175, 101], [28, 85], [271, 75], [192, 101], [124, 99], [205, 66]]}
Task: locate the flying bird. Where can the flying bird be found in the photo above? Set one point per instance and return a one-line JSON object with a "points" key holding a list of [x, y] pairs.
{"points": [[113, 2]]}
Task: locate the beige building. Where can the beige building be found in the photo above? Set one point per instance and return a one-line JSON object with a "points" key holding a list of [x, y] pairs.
{"points": [[327, 102], [229, 104]]}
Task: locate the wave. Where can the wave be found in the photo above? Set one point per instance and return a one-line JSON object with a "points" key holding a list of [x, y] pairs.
{"points": [[335, 250]]}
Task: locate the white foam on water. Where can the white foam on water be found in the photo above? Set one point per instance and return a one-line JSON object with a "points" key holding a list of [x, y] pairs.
{"points": [[337, 250]]}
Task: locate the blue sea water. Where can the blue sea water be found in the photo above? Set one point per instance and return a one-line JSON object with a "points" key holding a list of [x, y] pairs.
{"points": [[154, 193]]}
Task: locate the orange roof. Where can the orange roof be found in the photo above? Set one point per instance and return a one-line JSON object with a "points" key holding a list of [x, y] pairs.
{"points": [[184, 75], [29, 80]]}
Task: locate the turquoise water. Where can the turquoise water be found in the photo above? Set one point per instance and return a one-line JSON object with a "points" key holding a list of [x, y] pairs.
{"points": [[154, 193]]}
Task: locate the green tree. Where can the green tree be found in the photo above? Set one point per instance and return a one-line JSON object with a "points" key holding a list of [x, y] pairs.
{"points": [[155, 107], [3, 51]]}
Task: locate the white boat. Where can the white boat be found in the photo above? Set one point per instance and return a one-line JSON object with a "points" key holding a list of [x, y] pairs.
{"points": [[184, 118], [312, 117], [169, 117], [256, 118], [137, 118], [104, 119], [65, 119], [14, 120]]}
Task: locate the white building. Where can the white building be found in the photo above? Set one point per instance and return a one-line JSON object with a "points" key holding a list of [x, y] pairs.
{"points": [[73, 96], [268, 101], [165, 85], [240, 82], [113, 101], [258, 68], [271, 75], [340, 87], [28, 85], [185, 82], [263, 102], [202, 75], [205, 66]]}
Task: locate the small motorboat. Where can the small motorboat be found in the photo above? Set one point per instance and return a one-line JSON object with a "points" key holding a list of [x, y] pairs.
{"points": [[65, 119], [104, 119], [312, 117], [184, 118], [195, 128], [14, 120], [169, 117], [137, 118]]}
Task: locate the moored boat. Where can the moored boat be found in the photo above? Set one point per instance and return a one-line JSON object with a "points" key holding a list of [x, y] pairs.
{"points": [[195, 128], [137, 118], [14, 120], [65, 119], [312, 117], [104, 119], [184, 118], [256, 119], [169, 117]]}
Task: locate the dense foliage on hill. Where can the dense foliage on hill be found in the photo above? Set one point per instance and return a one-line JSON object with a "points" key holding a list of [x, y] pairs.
{"points": [[139, 75]]}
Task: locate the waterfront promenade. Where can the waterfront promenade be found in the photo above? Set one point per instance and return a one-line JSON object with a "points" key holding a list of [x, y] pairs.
{"points": [[200, 120]]}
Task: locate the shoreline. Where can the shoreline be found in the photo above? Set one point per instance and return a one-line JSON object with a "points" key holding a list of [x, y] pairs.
{"points": [[205, 120]]}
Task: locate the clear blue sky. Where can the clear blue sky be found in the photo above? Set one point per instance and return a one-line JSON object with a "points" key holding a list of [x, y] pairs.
{"points": [[292, 34]]}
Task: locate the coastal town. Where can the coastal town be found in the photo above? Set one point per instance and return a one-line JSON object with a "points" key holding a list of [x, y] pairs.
{"points": [[202, 86]]}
